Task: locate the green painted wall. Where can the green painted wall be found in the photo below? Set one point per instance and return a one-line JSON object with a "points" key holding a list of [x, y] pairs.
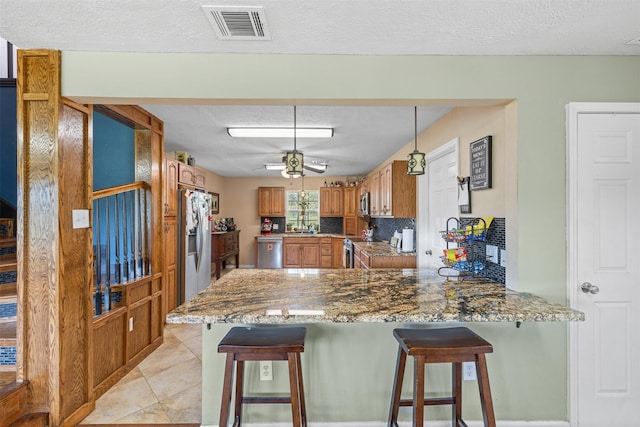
{"points": [[529, 367]]}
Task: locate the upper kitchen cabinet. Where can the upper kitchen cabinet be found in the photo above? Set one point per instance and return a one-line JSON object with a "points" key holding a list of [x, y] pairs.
{"points": [[170, 187], [271, 201], [349, 222], [191, 176], [393, 192], [331, 201]]}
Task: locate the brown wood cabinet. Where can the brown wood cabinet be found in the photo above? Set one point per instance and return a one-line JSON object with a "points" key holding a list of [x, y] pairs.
{"points": [[351, 207], [170, 263], [393, 192], [301, 252], [191, 176], [224, 245], [326, 252], [170, 193], [331, 201], [357, 260], [271, 201], [338, 252]]}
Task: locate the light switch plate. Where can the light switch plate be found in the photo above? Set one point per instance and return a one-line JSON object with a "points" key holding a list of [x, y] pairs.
{"points": [[503, 258], [492, 253], [80, 218]]}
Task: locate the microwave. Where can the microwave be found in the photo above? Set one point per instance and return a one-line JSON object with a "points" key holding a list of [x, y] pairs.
{"points": [[364, 204]]}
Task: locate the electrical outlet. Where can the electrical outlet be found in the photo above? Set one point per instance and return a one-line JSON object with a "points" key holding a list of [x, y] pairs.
{"points": [[492, 253], [266, 370], [503, 258], [469, 371], [130, 324]]}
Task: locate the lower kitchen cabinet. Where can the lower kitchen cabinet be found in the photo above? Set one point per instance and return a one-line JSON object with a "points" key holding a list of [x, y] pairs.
{"points": [[326, 252], [301, 252]]}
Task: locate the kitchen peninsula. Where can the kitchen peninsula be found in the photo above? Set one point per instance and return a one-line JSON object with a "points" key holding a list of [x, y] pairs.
{"points": [[349, 357]]}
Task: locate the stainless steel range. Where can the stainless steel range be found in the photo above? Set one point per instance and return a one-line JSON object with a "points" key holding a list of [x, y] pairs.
{"points": [[347, 257]]}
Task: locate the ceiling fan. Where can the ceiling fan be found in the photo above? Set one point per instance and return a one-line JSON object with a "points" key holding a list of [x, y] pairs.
{"points": [[314, 166]]}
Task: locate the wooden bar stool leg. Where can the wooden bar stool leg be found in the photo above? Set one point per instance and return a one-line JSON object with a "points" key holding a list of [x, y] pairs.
{"points": [[293, 385], [418, 391], [303, 407], [485, 391], [226, 391], [397, 388], [457, 393], [239, 393]]}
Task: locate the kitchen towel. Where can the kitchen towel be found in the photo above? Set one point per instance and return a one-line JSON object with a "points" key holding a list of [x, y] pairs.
{"points": [[407, 240]]}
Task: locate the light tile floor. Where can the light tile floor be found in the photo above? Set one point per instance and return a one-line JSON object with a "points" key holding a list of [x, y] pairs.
{"points": [[166, 387]]}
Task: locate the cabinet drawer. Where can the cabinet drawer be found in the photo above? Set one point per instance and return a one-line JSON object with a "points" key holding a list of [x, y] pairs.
{"points": [[326, 250]]}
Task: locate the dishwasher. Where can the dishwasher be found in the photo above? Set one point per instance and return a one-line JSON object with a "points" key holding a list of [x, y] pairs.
{"points": [[269, 252]]}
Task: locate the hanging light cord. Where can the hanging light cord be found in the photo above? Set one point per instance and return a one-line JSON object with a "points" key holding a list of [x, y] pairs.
{"points": [[294, 129], [415, 124]]}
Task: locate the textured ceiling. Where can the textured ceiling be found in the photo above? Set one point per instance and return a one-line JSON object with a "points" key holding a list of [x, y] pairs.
{"points": [[365, 136]]}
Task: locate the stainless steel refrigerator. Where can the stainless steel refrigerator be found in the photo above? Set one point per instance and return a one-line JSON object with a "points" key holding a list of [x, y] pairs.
{"points": [[194, 243]]}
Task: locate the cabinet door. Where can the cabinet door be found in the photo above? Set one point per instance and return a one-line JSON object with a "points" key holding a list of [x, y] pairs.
{"points": [[310, 255], [350, 202], [374, 197], [277, 201], [338, 252], [186, 174], [170, 290], [337, 201], [350, 225], [200, 178], [292, 254], [170, 187], [325, 201], [264, 201], [384, 203]]}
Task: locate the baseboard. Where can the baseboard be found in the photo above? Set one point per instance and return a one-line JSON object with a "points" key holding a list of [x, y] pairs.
{"points": [[408, 424]]}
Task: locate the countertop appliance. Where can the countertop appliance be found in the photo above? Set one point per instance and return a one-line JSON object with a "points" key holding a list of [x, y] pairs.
{"points": [[347, 256], [364, 204], [194, 243], [269, 254]]}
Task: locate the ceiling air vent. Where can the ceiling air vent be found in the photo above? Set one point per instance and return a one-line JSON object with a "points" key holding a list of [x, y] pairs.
{"points": [[237, 22]]}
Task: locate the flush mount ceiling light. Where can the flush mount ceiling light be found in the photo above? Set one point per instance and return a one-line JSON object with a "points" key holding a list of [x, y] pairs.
{"points": [[280, 132], [294, 159], [415, 161]]}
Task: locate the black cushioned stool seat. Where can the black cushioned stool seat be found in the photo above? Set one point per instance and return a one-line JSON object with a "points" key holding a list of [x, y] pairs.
{"points": [[445, 345], [262, 343]]}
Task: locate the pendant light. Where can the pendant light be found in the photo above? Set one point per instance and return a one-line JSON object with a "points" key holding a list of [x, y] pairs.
{"points": [[415, 161], [295, 159]]}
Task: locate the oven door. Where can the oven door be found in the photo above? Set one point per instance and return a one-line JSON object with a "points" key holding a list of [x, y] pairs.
{"points": [[347, 256]]}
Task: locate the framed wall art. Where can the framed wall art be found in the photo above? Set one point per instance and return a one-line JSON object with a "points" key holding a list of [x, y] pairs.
{"points": [[215, 203]]}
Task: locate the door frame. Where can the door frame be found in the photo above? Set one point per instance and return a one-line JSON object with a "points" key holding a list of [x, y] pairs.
{"points": [[452, 146], [573, 111]]}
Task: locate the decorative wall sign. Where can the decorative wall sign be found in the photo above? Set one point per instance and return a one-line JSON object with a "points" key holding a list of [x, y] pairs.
{"points": [[480, 157]]}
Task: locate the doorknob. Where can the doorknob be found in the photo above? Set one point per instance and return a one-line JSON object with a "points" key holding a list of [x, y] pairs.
{"points": [[428, 252], [588, 288]]}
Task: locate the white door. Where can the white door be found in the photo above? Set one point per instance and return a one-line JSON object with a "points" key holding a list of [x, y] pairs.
{"points": [[604, 200], [437, 201]]}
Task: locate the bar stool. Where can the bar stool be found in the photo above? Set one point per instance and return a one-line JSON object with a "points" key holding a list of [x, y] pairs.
{"points": [[446, 345], [262, 343]]}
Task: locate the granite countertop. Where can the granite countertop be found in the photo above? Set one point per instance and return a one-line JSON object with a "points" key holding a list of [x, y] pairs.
{"points": [[253, 296], [341, 236], [381, 249]]}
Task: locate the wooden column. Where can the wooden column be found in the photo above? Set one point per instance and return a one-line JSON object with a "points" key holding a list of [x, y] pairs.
{"points": [[54, 259]]}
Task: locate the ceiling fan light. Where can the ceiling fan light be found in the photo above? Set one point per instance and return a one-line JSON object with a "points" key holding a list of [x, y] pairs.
{"points": [[294, 162], [274, 167], [286, 175]]}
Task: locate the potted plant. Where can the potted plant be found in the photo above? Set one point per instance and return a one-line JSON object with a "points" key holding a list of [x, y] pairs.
{"points": [[289, 226]]}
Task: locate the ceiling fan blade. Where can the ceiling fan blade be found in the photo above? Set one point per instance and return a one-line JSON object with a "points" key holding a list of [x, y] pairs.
{"points": [[315, 168]]}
